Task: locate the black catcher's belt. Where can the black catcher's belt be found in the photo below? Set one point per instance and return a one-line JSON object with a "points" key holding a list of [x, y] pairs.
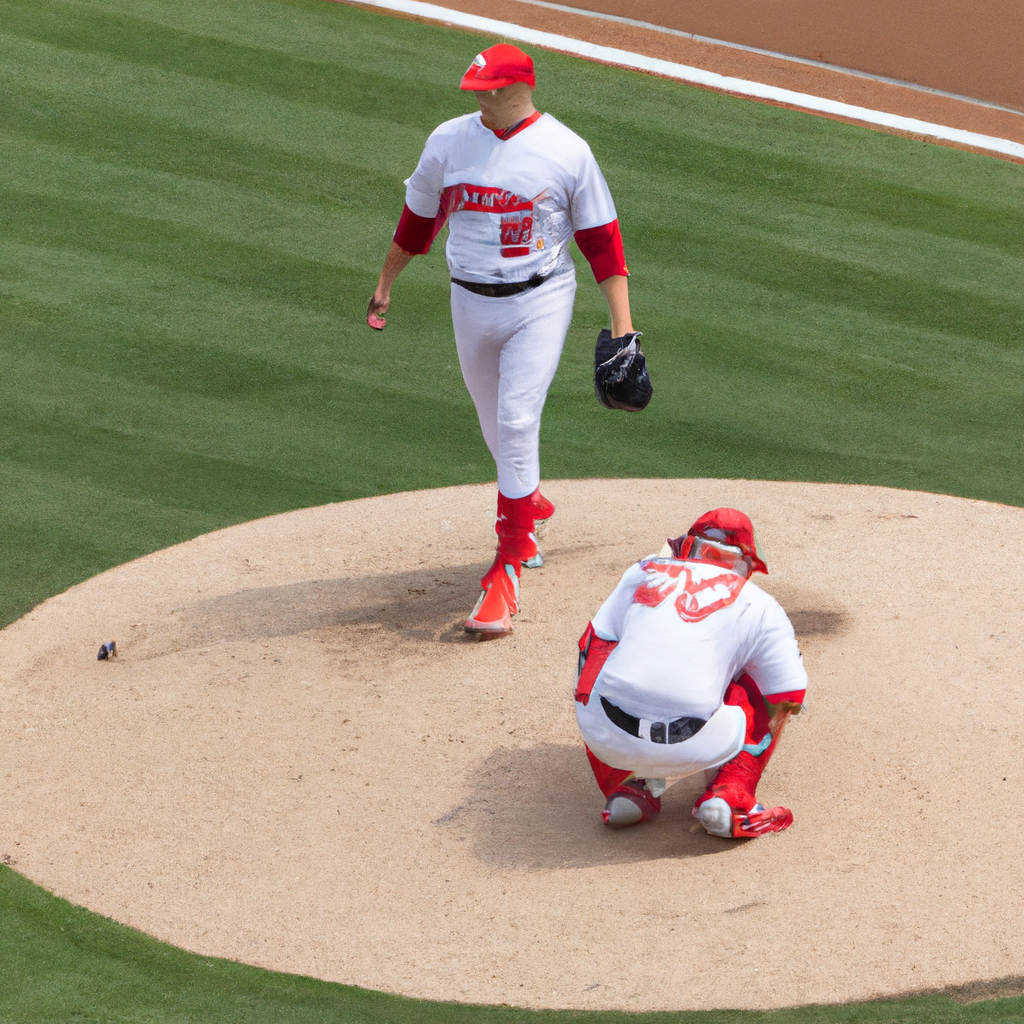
{"points": [[676, 731], [501, 291]]}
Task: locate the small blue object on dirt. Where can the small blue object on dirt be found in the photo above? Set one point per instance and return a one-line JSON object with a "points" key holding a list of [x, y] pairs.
{"points": [[107, 651]]}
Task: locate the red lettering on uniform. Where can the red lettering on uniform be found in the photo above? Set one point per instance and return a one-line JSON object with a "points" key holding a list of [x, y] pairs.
{"points": [[515, 226], [697, 598], [702, 597], [485, 199], [516, 229], [653, 592], [652, 595], [672, 570]]}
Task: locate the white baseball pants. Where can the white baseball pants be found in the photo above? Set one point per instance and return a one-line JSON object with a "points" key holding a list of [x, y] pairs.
{"points": [[720, 740], [509, 350]]}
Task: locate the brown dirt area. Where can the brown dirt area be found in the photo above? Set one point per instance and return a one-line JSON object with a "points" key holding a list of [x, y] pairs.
{"points": [[939, 46], [298, 760], [974, 51]]}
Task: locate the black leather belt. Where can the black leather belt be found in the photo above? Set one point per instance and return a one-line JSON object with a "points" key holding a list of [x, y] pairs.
{"points": [[501, 291], [676, 731]]}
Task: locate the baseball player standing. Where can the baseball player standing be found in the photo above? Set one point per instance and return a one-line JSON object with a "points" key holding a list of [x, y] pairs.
{"points": [[514, 185], [689, 666]]}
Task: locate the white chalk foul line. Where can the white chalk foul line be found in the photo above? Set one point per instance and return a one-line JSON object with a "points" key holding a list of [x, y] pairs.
{"points": [[697, 76], [834, 69]]}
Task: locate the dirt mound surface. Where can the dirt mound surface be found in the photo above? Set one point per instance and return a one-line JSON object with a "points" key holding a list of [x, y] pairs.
{"points": [[299, 760]]}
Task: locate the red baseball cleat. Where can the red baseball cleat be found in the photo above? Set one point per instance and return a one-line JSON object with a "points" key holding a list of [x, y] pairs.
{"points": [[630, 804], [719, 819], [541, 507], [542, 510], [759, 822], [492, 616]]}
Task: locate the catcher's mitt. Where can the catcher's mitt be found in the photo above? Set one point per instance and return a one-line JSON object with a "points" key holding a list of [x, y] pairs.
{"points": [[620, 372]]}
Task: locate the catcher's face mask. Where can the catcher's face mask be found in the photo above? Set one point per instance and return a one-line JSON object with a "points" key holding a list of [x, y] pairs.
{"points": [[705, 549], [727, 527]]}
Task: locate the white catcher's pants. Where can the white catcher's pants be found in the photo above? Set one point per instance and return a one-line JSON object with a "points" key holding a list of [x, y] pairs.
{"points": [[509, 350], [720, 740]]}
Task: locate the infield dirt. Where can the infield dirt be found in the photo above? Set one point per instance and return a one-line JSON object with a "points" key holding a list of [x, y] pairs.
{"points": [[300, 761]]}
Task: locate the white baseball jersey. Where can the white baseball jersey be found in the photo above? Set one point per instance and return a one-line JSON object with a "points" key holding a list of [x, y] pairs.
{"points": [[513, 204], [686, 629]]}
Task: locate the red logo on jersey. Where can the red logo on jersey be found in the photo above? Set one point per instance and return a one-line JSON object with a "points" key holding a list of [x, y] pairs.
{"points": [[657, 590], [515, 227], [697, 598], [484, 199], [516, 233]]}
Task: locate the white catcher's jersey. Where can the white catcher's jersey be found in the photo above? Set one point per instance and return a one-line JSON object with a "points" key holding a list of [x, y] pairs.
{"points": [[513, 205], [686, 629]]}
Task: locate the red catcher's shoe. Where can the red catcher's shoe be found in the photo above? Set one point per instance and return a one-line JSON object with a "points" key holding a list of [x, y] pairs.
{"points": [[498, 602], [630, 804], [719, 819], [759, 822]]}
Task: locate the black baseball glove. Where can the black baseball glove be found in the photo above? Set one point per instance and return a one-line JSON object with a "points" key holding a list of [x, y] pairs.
{"points": [[620, 372]]}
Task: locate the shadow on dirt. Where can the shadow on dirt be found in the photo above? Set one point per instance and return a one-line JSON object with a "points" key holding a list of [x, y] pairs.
{"points": [[424, 604], [538, 808], [814, 622], [427, 604]]}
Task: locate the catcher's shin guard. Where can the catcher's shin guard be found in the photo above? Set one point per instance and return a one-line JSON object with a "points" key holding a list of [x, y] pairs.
{"points": [[729, 806], [628, 802], [608, 779]]}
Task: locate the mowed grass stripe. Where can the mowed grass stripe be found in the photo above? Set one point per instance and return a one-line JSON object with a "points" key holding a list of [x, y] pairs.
{"points": [[166, 252], [194, 202]]}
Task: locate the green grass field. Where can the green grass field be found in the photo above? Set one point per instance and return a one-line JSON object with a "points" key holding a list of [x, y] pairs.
{"points": [[194, 203]]}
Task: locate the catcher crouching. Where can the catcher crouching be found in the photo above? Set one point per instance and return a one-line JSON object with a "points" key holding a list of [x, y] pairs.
{"points": [[689, 666]]}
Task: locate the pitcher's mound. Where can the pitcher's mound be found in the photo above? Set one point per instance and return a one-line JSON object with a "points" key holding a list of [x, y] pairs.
{"points": [[299, 760]]}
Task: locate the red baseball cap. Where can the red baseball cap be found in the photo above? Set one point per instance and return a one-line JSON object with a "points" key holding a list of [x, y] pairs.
{"points": [[730, 526], [497, 67]]}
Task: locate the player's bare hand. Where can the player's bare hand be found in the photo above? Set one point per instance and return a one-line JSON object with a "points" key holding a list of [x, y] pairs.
{"points": [[378, 306]]}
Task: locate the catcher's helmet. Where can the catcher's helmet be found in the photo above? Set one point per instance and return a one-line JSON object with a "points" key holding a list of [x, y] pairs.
{"points": [[716, 532], [620, 372]]}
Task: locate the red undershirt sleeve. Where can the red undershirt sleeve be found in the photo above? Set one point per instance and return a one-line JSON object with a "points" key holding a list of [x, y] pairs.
{"points": [[415, 234], [602, 247]]}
